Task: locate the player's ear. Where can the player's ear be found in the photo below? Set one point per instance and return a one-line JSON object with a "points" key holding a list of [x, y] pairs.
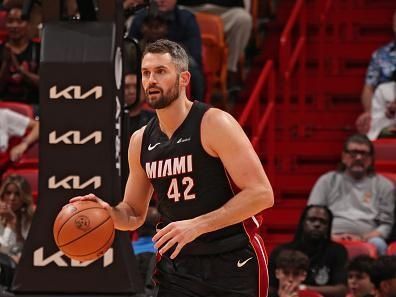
{"points": [[184, 79]]}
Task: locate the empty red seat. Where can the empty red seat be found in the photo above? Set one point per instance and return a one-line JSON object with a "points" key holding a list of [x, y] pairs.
{"points": [[356, 248]]}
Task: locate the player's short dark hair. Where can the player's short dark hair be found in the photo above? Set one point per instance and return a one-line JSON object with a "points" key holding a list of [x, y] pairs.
{"points": [[175, 50], [292, 260], [384, 268], [362, 264]]}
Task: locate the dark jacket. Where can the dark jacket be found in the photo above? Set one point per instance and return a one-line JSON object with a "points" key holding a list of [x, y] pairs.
{"points": [[182, 28]]}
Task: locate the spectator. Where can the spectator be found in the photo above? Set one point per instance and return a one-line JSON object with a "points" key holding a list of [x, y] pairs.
{"points": [[130, 7], [144, 249], [70, 10], [16, 213], [35, 17], [327, 273], [383, 276], [237, 28], [136, 117], [291, 268], [380, 70], [361, 201], [383, 110], [15, 124], [165, 20], [20, 60], [359, 283]]}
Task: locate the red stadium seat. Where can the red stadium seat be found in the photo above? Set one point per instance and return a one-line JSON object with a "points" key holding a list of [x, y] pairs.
{"points": [[3, 30], [31, 175], [391, 249], [3, 19], [356, 248], [30, 159], [22, 108], [385, 157], [309, 293], [214, 53], [389, 175]]}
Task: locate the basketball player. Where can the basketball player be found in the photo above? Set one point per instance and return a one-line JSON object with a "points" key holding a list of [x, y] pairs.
{"points": [[206, 239]]}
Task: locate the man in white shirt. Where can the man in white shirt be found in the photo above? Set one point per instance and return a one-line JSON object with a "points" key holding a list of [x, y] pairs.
{"points": [[383, 110], [16, 124]]}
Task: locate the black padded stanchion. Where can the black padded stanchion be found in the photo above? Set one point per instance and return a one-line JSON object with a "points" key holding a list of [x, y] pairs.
{"points": [[81, 99]]}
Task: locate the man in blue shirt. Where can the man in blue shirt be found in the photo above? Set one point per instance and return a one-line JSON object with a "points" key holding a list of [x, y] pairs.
{"points": [[380, 70]]}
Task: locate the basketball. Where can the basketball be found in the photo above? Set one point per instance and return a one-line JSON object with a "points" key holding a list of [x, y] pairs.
{"points": [[83, 230]]}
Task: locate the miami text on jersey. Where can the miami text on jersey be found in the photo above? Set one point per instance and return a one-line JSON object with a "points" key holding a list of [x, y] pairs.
{"points": [[169, 167]]}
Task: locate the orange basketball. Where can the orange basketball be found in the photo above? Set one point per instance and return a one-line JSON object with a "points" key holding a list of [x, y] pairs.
{"points": [[83, 230]]}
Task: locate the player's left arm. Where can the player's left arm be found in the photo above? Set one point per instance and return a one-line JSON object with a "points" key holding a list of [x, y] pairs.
{"points": [[222, 137]]}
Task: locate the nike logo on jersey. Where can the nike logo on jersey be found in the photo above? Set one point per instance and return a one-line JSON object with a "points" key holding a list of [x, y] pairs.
{"points": [[151, 147], [240, 264], [183, 140]]}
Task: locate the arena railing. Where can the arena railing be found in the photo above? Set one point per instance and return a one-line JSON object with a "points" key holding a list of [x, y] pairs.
{"points": [[293, 54], [324, 23], [260, 119]]}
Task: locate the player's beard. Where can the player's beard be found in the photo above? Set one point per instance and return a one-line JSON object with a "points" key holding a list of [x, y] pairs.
{"points": [[166, 99]]}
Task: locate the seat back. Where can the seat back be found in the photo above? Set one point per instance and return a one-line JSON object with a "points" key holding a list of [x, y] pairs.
{"points": [[356, 248], [309, 293], [385, 157], [21, 108], [391, 249], [390, 175], [214, 53], [211, 24], [3, 30]]}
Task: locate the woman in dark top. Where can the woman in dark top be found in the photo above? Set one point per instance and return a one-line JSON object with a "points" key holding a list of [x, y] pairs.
{"points": [[20, 58]]}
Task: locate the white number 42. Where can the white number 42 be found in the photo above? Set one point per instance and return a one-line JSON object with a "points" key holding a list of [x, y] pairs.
{"points": [[174, 193]]}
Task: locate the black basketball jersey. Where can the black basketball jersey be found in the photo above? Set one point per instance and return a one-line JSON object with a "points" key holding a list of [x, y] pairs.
{"points": [[188, 181]]}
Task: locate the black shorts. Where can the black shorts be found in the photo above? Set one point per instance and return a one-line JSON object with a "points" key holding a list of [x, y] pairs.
{"points": [[232, 274]]}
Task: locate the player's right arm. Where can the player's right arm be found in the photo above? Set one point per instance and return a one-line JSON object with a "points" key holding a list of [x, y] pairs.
{"points": [[131, 212]]}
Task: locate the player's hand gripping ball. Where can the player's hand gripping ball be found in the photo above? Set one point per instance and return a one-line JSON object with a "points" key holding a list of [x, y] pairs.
{"points": [[83, 230]]}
